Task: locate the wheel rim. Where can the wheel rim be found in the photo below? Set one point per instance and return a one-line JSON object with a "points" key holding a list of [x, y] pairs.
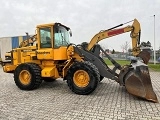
{"points": [[25, 77], [81, 78]]}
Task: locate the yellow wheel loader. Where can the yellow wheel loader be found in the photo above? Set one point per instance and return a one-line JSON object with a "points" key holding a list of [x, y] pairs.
{"points": [[80, 65]]}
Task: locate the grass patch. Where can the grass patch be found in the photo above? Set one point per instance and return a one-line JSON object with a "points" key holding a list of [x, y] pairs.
{"points": [[121, 62], [155, 67], [124, 62]]}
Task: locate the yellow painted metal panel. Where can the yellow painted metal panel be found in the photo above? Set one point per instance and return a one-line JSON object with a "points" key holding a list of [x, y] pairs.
{"points": [[48, 72], [60, 53], [46, 54]]}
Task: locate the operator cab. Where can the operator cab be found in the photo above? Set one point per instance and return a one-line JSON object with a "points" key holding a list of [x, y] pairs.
{"points": [[52, 39], [54, 35]]}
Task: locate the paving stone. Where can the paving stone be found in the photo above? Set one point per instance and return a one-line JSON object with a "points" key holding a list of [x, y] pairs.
{"points": [[55, 101]]}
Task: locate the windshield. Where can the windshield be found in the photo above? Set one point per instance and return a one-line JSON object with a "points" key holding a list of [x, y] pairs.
{"points": [[61, 37]]}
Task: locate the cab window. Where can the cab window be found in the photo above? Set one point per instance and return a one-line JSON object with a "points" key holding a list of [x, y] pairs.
{"points": [[61, 37], [45, 37]]}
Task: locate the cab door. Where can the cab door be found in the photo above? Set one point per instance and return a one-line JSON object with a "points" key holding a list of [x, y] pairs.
{"points": [[45, 47]]}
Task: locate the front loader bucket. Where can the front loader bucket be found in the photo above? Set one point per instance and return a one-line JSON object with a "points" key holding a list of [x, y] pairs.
{"points": [[138, 83]]}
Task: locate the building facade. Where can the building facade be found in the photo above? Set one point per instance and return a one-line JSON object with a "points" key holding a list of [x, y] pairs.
{"points": [[9, 43]]}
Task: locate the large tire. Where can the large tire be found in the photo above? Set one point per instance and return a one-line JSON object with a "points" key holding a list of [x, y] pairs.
{"points": [[83, 77], [27, 76]]}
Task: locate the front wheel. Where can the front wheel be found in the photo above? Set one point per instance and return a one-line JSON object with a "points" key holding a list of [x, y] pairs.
{"points": [[83, 77]]}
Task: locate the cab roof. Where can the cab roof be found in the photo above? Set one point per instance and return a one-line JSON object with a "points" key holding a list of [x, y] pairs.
{"points": [[51, 24], [45, 25]]}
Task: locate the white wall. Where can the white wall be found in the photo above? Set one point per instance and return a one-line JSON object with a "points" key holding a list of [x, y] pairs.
{"points": [[0, 49], [5, 46]]}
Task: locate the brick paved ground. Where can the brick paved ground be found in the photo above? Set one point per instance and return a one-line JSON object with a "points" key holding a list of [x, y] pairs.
{"points": [[54, 101]]}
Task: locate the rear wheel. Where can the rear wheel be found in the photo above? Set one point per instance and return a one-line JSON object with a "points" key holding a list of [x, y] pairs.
{"points": [[83, 77], [27, 76]]}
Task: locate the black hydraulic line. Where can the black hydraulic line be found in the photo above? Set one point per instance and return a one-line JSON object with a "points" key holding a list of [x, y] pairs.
{"points": [[114, 27], [119, 25], [139, 38]]}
